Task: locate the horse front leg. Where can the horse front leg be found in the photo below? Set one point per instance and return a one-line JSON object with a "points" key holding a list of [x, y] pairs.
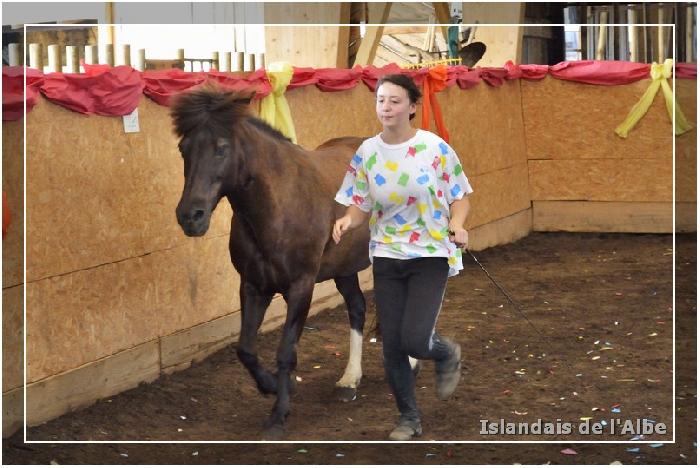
{"points": [[349, 288], [253, 306], [298, 299]]}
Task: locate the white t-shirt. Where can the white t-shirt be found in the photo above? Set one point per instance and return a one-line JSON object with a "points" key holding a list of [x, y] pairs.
{"points": [[408, 188]]}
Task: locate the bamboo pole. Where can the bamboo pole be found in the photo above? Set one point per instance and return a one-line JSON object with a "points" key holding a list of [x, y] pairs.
{"points": [[108, 55], [141, 60], [55, 64], [72, 59], [249, 63], [225, 62], [602, 36], [661, 37], [215, 61], [259, 60], [125, 55], [239, 58], [35, 57], [14, 56], [633, 34], [91, 55]]}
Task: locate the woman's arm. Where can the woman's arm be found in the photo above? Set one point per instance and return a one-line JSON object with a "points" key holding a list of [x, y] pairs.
{"points": [[353, 218], [459, 210]]}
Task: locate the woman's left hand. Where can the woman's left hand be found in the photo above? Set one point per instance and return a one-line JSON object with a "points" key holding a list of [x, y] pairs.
{"points": [[459, 236]]}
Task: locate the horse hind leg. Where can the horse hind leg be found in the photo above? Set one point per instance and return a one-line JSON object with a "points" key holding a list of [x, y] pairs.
{"points": [[349, 287], [253, 307]]}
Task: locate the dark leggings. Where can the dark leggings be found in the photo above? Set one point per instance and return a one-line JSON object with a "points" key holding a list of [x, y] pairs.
{"points": [[408, 294]]}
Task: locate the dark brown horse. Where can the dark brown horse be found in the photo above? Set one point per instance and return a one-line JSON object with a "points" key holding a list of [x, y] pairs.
{"points": [[282, 198]]}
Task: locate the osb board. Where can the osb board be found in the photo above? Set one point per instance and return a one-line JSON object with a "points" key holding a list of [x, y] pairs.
{"points": [[687, 144], [12, 169], [567, 120], [498, 194], [12, 411], [485, 125], [83, 316], [601, 179], [97, 195], [81, 387], [581, 216], [12, 338], [307, 46], [502, 231]]}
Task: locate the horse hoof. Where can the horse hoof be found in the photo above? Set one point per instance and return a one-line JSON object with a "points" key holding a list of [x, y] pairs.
{"points": [[345, 394], [274, 432]]}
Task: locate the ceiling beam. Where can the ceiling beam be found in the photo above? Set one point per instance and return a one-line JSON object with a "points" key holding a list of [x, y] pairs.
{"points": [[378, 14]]}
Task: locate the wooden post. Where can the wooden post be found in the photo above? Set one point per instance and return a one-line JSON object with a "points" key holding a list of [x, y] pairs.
{"points": [[633, 34], [661, 37], [181, 57], [215, 61], [108, 55], [109, 17], [225, 62], [602, 36], [91, 55], [141, 60], [55, 64], [72, 59], [14, 57], [689, 34], [125, 56], [238, 59], [378, 14], [259, 60], [442, 11], [35, 57]]}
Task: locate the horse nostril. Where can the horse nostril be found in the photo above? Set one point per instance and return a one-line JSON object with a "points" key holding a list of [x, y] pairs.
{"points": [[197, 215]]}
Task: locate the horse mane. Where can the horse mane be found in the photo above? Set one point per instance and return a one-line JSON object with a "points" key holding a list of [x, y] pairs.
{"points": [[211, 105]]}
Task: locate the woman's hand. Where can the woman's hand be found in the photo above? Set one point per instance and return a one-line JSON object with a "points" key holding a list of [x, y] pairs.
{"points": [[459, 236], [341, 226]]}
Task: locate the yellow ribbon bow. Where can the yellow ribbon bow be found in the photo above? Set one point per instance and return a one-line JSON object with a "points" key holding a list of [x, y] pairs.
{"points": [[659, 74], [274, 108]]}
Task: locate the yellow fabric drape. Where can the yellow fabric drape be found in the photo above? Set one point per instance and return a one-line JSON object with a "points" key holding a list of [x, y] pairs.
{"points": [[274, 108], [659, 74]]}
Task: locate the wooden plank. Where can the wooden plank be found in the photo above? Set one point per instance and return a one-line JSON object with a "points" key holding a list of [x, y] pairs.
{"points": [[582, 216], [12, 338], [501, 231], [442, 13], [634, 180], [378, 14], [503, 43], [491, 202], [79, 388], [12, 411], [12, 185]]}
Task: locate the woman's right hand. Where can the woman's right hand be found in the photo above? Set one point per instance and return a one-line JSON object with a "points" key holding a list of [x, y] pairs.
{"points": [[341, 226]]}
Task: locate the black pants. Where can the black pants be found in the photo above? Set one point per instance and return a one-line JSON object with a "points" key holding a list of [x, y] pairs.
{"points": [[409, 294]]}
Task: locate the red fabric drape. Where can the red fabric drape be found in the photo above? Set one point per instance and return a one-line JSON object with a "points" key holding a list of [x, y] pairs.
{"points": [[114, 91], [435, 80], [109, 90], [12, 91]]}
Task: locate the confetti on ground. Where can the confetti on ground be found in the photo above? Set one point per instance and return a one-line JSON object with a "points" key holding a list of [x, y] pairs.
{"points": [[633, 450], [626, 380], [194, 454], [179, 430], [656, 445], [317, 366], [616, 410], [507, 392], [519, 413], [339, 455], [183, 417], [653, 334], [302, 451], [298, 379], [586, 418], [372, 340], [595, 358], [569, 451], [125, 455]]}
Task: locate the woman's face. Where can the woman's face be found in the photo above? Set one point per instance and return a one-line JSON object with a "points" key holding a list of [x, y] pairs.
{"points": [[393, 105]]}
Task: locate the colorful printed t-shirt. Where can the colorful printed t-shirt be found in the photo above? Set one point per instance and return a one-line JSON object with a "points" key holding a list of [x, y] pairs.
{"points": [[408, 188]]}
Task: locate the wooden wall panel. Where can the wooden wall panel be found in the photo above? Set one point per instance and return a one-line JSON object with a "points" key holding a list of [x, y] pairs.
{"points": [[485, 125], [601, 180], [12, 338], [97, 195], [12, 185], [86, 315], [498, 194], [567, 120], [687, 144]]}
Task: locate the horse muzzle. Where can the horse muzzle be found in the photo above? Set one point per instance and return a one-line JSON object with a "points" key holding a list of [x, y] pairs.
{"points": [[194, 222]]}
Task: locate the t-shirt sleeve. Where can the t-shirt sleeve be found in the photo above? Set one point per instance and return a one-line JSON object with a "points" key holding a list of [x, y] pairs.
{"points": [[355, 187], [453, 181]]}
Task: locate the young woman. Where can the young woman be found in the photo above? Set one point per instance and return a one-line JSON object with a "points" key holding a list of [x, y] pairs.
{"points": [[414, 187]]}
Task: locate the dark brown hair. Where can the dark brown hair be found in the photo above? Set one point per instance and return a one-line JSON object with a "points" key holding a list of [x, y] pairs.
{"points": [[406, 83]]}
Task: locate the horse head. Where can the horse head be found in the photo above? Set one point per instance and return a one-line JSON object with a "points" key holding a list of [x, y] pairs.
{"points": [[204, 121]]}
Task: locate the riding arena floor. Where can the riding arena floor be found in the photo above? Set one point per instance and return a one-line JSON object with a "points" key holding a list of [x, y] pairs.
{"points": [[590, 342]]}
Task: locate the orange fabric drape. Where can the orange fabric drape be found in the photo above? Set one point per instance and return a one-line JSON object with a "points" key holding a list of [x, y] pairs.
{"points": [[435, 81]]}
